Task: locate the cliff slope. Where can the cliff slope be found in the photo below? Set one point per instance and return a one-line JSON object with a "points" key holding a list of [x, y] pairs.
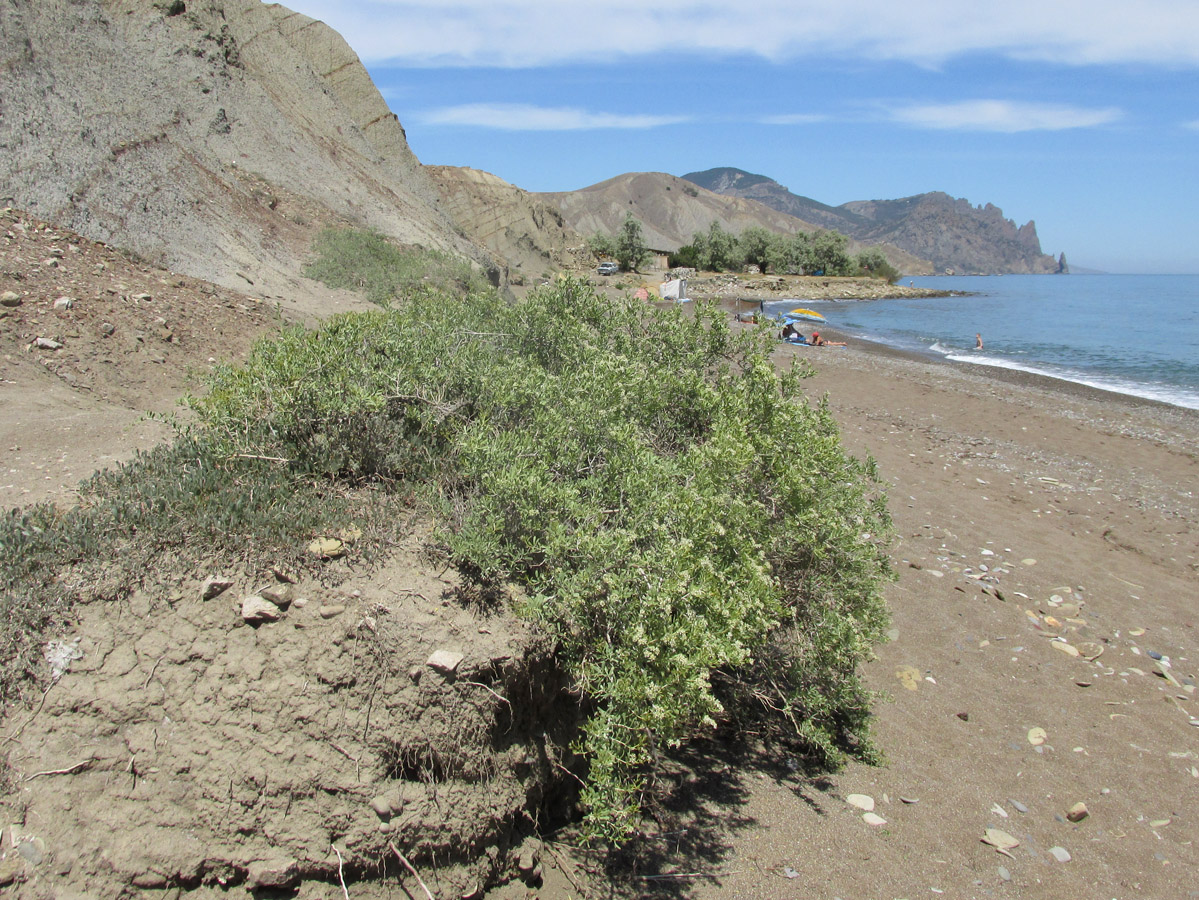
{"points": [[211, 138], [523, 231]]}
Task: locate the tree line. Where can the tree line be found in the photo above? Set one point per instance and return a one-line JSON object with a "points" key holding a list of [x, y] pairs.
{"points": [[821, 252]]}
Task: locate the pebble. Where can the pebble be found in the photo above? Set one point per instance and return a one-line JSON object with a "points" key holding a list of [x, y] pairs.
{"points": [[279, 594], [327, 548], [331, 610], [1000, 840], [1004, 874], [284, 575], [1018, 806], [1068, 649], [1077, 812], [861, 801], [64, 303], [444, 661], [272, 875], [1037, 736], [214, 587], [1061, 854], [255, 610], [10, 299], [31, 852], [873, 819], [45, 343]]}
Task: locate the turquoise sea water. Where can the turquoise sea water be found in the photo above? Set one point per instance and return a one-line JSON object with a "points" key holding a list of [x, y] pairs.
{"points": [[1132, 334]]}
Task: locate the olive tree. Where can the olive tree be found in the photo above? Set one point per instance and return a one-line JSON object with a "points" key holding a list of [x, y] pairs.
{"points": [[630, 250]]}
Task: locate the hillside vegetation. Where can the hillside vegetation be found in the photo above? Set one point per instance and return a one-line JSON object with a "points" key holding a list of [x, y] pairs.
{"points": [[682, 523]]}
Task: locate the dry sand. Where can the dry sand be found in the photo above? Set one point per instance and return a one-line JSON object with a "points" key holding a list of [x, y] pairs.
{"points": [[1035, 522]]}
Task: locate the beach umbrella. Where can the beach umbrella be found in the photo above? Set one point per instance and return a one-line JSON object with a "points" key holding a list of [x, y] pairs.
{"points": [[809, 314]]}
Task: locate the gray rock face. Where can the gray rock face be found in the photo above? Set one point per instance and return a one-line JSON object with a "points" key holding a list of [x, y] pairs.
{"points": [[158, 133]]}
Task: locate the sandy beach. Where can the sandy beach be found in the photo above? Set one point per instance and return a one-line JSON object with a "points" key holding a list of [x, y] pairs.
{"points": [[1038, 525]]}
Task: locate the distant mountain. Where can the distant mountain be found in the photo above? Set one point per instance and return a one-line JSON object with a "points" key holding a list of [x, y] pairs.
{"points": [[954, 235], [671, 210], [737, 183]]}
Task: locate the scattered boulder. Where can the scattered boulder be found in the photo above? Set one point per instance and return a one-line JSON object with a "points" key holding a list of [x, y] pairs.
{"points": [[10, 299]]}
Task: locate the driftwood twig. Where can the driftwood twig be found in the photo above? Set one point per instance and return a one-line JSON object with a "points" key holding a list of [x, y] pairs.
{"points": [[685, 875], [67, 771]]}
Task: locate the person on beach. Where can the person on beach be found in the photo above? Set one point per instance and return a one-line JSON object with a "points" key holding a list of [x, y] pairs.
{"points": [[978, 342], [818, 341]]}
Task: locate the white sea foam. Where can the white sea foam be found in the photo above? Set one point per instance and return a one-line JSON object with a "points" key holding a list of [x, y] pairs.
{"points": [[1171, 394]]}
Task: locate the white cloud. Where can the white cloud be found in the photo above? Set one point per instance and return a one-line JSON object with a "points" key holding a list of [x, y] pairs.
{"points": [[1003, 115], [794, 119], [1193, 126], [522, 117], [518, 33]]}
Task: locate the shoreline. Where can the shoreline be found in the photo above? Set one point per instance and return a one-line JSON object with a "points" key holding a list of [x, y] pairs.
{"points": [[1020, 377], [999, 373]]}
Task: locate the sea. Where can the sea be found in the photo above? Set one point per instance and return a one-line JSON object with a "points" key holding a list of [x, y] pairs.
{"points": [[1130, 334]]}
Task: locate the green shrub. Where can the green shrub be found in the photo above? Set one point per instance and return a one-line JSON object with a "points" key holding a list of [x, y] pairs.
{"points": [[367, 262], [685, 523], [873, 263]]}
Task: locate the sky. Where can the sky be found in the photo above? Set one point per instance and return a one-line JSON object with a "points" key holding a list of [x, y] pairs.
{"points": [[1082, 115]]}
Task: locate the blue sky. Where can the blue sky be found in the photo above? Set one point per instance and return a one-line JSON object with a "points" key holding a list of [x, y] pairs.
{"points": [[1080, 114]]}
